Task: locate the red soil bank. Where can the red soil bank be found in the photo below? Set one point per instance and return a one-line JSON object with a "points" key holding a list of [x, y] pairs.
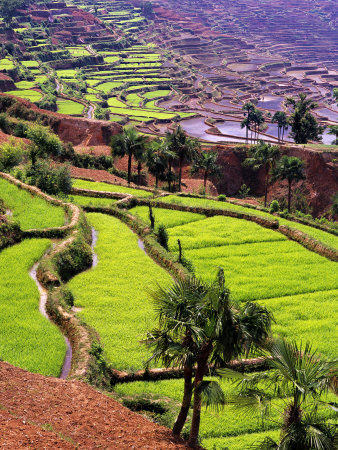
{"points": [[40, 412]]}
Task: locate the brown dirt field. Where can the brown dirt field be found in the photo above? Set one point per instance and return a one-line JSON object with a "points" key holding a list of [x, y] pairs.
{"points": [[48, 413]]}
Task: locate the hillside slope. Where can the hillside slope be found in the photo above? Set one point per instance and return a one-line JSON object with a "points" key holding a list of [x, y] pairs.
{"points": [[39, 412]]}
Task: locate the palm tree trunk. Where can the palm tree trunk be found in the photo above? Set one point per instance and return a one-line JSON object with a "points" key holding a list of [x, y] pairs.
{"points": [[139, 168], [289, 196], [186, 402], [205, 179], [169, 180], [180, 176], [196, 417], [156, 181], [129, 169], [266, 184]]}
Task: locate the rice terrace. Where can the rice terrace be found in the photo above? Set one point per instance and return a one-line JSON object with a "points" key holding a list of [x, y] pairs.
{"points": [[168, 224]]}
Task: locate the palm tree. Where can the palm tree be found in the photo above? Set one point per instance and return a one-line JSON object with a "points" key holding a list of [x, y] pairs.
{"points": [[206, 161], [157, 160], [129, 143], [302, 376], [199, 325], [248, 109], [304, 125], [260, 155], [258, 120], [334, 130], [183, 147], [289, 168], [282, 123]]}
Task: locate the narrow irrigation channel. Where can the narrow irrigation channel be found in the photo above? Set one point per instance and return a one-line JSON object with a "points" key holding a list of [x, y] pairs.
{"points": [[42, 308]]}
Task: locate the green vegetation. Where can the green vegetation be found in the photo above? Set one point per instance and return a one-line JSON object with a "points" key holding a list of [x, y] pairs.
{"points": [[32, 96], [165, 216], [322, 236], [6, 64], [81, 200], [97, 186], [30, 211], [121, 311], [30, 64], [70, 107], [28, 340]]}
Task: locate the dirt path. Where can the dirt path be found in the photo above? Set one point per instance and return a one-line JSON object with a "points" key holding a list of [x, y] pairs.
{"points": [[48, 413]]}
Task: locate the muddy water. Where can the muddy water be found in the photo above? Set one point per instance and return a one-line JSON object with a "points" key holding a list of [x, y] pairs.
{"points": [[325, 112], [90, 112], [141, 245], [271, 102], [42, 308], [94, 241]]}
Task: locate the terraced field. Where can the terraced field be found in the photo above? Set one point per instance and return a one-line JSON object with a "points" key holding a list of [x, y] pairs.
{"points": [[30, 211], [114, 296], [28, 340]]}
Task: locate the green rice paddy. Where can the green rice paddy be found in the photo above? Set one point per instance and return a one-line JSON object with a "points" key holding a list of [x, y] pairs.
{"points": [[28, 340], [114, 296], [70, 107], [29, 210], [32, 96], [98, 186]]}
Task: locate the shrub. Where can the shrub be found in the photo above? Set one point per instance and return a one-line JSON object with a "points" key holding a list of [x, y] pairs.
{"points": [[222, 198], [243, 191], [162, 236], [274, 206], [11, 155], [52, 180]]}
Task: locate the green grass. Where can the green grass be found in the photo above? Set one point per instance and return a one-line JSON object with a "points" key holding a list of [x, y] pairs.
{"points": [[108, 86], [111, 59], [92, 201], [70, 107], [244, 441], [97, 186], [66, 73], [25, 84], [28, 340], [151, 105], [114, 295], [78, 51], [323, 236], [6, 64], [134, 100], [142, 113], [29, 210], [219, 231], [165, 216], [30, 64], [113, 101], [32, 96]]}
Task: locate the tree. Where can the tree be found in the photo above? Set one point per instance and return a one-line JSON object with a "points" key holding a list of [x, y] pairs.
{"points": [[11, 154], [334, 130], [291, 169], [157, 160], [128, 143], [248, 109], [184, 147], [301, 376], [303, 124], [199, 325], [280, 118], [43, 143], [207, 162], [258, 120], [8, 9], [263, 155]]}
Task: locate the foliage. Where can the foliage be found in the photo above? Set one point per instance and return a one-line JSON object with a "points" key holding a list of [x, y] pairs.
{"points": [[303, 124], [303, 375], [207, 162], [128, 143], [262, 155], [44, 143], [28, 340], [162, 236], [289, 168], [282, 123], [11, 154], [243, 191], [274, 206], [222, 198], [8, 9], [50, 179]]}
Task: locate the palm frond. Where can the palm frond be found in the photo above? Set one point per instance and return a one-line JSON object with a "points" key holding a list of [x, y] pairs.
{"points": [[212, 394]]}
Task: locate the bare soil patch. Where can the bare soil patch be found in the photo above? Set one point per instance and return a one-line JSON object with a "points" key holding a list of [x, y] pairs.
{"points": [[41, 412]]}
